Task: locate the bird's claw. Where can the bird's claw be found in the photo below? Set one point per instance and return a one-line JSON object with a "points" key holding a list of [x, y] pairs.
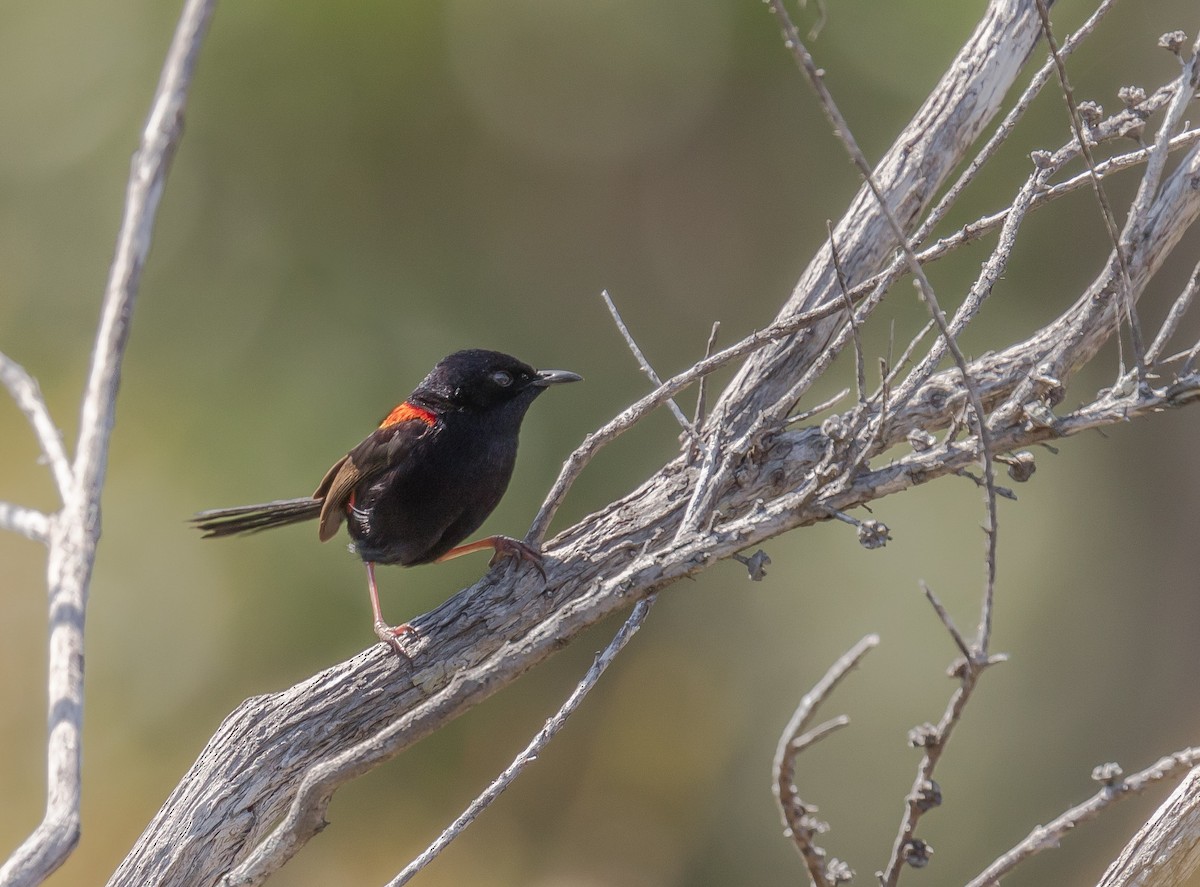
{"points": [[392, 635], [508, 547]]}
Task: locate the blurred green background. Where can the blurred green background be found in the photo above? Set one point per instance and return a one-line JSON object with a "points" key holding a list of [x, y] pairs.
{"points": [[365, 187]]}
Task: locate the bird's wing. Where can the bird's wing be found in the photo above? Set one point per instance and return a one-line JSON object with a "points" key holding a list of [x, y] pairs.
{"points": [[384, 449]]}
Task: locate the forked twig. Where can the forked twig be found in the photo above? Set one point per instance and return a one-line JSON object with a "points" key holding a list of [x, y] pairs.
{"points": [[797, 816], [645, 364]]}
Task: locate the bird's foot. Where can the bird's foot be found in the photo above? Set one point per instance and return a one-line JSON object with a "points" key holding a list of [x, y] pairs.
{"points": [[508, 547], [392, 635]]}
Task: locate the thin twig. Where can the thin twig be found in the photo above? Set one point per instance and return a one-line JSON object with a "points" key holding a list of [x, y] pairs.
{"points": [[1148, 189], [1050, 835], [28, 397], [944, 615], [979, 417], [1178, 309], [702, 388], [933, 740], [1110, 219], [635, 412], [991, 272], [795, 813], [973, 231], [894, 371], [860, 370], [75, 532], [1156, 163], [807, 414], [1190, 361], [535, 747], [645, 364]]}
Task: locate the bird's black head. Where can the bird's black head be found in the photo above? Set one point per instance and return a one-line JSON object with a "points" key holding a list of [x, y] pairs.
{"points": [[477, 379]]}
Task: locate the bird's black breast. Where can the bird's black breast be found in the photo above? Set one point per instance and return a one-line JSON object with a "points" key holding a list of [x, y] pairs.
{"points": [[440, 492]]}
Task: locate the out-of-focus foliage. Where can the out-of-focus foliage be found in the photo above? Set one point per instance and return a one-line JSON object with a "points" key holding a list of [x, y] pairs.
{"points": [[365, 187]]}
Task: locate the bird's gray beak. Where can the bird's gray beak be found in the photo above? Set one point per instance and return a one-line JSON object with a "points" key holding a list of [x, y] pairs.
{"points": [[555, 377]]}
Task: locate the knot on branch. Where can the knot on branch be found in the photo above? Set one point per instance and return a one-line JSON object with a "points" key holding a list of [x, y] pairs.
{"points": [[1173, 42], [916, 853], [1021, 466], [927, 796], [924, 736], [1109, 775]]}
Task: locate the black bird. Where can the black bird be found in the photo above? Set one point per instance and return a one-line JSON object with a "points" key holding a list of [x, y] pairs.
{"points": [[425, 479]]}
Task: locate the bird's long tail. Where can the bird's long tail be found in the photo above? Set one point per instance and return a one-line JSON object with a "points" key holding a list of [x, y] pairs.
{"points": [[253, 518]]}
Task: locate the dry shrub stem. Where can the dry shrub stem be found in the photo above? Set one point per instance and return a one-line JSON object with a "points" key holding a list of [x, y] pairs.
{"points": [[798, 817]]}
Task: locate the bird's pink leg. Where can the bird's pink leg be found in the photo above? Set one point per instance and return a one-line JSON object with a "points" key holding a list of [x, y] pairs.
{"points": [[389, 634]]}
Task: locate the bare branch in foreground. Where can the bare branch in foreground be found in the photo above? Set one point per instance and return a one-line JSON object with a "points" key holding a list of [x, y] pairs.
{"points": [[1048, 836], [73, 533], [539, 742], [798, 819]]}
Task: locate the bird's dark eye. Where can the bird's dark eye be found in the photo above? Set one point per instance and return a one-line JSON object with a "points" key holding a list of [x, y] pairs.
{"points": [[502, 378]]}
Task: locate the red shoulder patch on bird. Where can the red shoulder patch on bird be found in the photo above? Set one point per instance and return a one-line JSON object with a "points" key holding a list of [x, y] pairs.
{"points": [[407, 411]]}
